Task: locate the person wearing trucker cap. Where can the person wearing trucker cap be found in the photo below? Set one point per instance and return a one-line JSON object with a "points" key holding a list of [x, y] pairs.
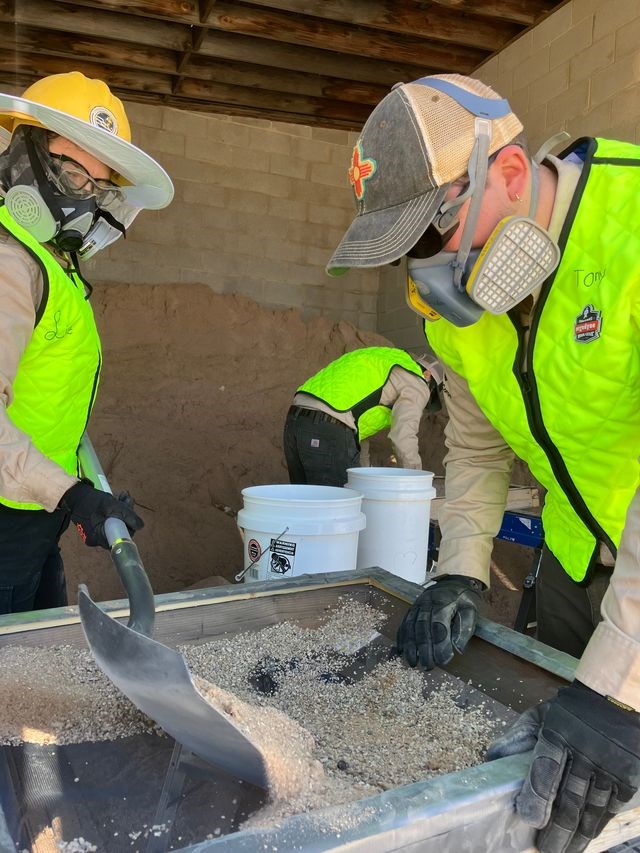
{"points": [[71, 183], [525, 270]]}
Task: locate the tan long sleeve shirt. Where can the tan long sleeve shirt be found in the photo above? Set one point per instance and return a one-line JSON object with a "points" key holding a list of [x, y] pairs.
{"points": [[25, 474], [478, 469], [406, 394]]}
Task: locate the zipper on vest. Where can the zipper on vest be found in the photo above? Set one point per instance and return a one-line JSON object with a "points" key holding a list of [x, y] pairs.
{"points": [[522, 369], [94, 390]]}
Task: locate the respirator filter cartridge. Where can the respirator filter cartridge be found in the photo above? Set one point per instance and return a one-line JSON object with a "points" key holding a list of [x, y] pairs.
{"points": [[518, 256]]}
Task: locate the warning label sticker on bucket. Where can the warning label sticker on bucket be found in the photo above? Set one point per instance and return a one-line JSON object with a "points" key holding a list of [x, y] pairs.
{"points": [[282, 556], [253, 550]]}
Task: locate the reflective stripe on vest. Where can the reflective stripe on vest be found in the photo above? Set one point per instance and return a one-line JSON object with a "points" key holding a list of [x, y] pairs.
{"points": [[354, 382], [574, 414], [57, 376]]}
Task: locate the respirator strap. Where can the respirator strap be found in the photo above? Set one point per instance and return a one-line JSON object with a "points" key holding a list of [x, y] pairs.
{"points": [[535, 186], [113, 222], [34, 161], [549, 145], [76, 269], [477, 169], [477, 105], [541, 153]]}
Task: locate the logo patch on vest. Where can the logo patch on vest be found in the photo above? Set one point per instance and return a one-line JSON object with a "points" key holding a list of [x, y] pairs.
{"points": [[588, 325]]}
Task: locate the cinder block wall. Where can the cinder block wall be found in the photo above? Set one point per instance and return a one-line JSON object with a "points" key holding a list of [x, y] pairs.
{"points": [[579, 71], [259, 207]]}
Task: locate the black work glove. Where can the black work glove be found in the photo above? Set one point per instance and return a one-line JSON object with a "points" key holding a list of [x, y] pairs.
{"points": [[440, 621], [90, 508], [585, 765]]}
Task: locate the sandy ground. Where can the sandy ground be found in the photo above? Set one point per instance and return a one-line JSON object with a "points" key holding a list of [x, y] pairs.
{"points": [[194, 393]]}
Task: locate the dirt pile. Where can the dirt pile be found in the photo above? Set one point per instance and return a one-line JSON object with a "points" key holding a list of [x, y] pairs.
{"points": [[194, 393]]}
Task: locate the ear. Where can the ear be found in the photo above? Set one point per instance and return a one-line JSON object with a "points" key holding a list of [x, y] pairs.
{"points": [[512, 169]]}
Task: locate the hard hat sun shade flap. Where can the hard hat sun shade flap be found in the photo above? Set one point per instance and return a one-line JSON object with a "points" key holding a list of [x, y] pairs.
{"points": [[149, 185]]}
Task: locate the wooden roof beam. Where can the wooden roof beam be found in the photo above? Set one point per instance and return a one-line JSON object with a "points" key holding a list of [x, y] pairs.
{"points": [[109, 25], [183, 103], [299, 30], [35, 65], [205, 10], [268, 102], [523, 12], [181, 11], [241, 48], [293, 82], [110, 51], [406, 17]]}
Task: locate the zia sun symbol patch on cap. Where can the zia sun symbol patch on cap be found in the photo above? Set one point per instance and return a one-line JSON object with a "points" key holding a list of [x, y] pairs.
{"points": [[588, 325], [361, 169], [103, 118]]}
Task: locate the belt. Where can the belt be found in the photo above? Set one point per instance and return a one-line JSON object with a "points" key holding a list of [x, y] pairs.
{"points": [[315, 415]]}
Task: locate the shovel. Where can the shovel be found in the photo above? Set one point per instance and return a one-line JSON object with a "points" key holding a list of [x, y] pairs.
{"points": [[153, 676]]}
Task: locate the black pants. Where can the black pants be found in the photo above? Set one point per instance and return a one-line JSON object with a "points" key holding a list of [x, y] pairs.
{"points": [[318, 448], [31, 569], [566, 612]]}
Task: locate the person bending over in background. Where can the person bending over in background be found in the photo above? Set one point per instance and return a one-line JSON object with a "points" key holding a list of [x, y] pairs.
{"points": [[71, 182], [541, 363], [349, 400]]}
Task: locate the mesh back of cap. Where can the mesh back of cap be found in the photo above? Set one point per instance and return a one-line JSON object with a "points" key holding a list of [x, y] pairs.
{"points": [[448, 129]]}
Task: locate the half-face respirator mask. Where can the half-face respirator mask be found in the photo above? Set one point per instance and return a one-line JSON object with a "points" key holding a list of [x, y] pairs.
{"points": [[54, 198], [518, 256]]}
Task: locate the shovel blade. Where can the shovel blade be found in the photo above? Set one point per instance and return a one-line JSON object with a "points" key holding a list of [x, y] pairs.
{"points": [[156, 679]]}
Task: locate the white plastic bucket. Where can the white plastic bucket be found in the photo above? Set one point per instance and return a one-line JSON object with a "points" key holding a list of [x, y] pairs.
{"points": [[293, 529], [397, 503]]}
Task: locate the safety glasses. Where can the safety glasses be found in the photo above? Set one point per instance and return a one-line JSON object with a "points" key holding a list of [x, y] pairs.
{"points": [[73, 180], [444, 225], [432, 242]]}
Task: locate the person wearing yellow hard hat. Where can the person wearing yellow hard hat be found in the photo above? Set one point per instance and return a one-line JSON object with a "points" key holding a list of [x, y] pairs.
{"points": [[71, 183]]}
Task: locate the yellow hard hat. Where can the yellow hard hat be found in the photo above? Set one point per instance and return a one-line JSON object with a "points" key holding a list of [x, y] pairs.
{"points": [[77, 95], [85, 111]]}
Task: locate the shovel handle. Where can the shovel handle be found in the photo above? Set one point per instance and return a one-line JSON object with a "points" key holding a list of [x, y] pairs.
{"points": [[124, 552]]}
